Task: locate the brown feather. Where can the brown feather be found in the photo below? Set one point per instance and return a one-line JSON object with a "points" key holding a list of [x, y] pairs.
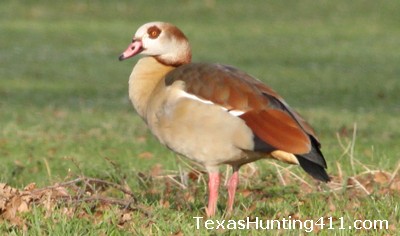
{"points": [[279, 130], [266, 113], [307, 127]]}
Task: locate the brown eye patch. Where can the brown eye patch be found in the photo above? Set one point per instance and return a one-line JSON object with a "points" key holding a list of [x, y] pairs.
{"points": [[153, 32]]}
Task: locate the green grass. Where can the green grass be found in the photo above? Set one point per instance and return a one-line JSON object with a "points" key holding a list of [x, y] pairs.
{"points": [[64, 106]]}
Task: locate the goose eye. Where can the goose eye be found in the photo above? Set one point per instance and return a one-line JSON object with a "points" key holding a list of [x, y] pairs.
{"points": [[153, 32]]}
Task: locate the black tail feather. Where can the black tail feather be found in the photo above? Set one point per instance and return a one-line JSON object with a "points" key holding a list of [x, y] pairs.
{"points": [[313, 162], [315, 170]]}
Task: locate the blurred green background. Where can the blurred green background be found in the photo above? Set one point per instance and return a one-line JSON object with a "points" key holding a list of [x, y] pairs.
{"points": [[63, 93]]}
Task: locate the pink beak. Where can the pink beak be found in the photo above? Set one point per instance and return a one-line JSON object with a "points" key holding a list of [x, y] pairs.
{"points": [[133, 49]]}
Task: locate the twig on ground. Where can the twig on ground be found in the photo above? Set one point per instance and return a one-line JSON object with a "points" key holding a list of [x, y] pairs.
{"points": [[358, 184], [281, 179], [87, 181], [340, 173], [393, 175], [353, 143]]}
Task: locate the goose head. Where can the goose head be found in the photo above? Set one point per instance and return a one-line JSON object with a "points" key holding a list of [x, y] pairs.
{"points": [[161, 40]]}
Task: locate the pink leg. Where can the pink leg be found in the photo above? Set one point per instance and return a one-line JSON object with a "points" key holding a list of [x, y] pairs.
{"points": [[213, 185], [232, 185]]}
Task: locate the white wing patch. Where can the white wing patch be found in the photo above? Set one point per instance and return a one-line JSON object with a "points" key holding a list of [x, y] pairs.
{"points": [[235, 112], [194, 97]]}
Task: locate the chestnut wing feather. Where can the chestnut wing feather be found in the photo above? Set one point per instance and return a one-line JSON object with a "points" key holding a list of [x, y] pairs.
{"points": [[265, 112]]}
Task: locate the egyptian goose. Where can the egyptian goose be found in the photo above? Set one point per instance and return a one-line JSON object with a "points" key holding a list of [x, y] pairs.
{"points": [[214, 114]]}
